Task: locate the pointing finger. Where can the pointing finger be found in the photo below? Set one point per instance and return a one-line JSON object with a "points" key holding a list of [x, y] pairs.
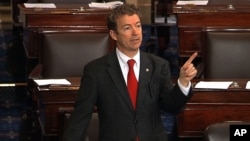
{"points": [[191, 58]]}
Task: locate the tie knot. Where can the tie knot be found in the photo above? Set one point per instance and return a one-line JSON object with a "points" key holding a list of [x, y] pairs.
{"points": [[131, 63]]}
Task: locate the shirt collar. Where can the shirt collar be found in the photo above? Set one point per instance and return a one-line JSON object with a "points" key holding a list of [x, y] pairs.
{"points": [[124, 59]]}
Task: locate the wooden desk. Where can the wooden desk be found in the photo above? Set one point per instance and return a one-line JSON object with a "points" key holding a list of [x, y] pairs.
{"points": [[204, 108], [73, 16], [49, 101], [63, 17], [212, 106], [191, 20]]}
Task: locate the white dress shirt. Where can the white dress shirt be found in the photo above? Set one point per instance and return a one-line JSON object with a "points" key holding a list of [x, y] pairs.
{"points": [[123, 59]]}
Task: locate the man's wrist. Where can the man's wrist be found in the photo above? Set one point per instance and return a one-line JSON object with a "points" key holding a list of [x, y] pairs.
{"points": [[183, 82], [185, 90]]}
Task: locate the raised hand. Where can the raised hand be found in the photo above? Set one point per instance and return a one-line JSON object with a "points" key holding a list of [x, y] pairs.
{"points": [[188, 71]]}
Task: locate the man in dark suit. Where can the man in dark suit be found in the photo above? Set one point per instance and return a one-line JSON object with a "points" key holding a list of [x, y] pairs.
{"points": [[104, 85]]}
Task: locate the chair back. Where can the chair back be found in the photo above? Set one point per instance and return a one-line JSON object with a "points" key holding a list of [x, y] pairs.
{"points": [[64, 54], [221, 131], [227, 54]]}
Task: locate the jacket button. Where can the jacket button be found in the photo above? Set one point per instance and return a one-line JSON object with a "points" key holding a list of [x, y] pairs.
{"points": [[135, 121]]}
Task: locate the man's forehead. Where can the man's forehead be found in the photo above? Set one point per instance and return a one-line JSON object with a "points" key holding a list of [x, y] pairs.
{"points": [[128, 19]]}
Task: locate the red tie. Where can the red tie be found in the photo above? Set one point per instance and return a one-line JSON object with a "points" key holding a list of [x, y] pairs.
{"points": [[132, 83]]}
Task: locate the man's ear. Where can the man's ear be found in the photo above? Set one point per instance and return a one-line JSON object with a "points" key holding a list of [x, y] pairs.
{"points": [[113, 34]]}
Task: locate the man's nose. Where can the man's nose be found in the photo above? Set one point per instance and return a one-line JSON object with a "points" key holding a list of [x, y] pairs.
{"points": [[136, 30]]}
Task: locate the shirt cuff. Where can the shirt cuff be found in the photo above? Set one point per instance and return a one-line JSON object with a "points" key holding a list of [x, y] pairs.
{"points": [[184, 90]]}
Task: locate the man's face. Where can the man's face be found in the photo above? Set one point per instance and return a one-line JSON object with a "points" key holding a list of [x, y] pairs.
{"points": [[129, 33]]}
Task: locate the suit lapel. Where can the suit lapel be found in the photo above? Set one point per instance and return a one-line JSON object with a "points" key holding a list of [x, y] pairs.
{"points": [[146, 69], [117, 77], [115, 73]]}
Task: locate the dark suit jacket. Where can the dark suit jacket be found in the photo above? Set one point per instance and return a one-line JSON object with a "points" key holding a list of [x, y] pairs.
{"points": [[103, 85]]}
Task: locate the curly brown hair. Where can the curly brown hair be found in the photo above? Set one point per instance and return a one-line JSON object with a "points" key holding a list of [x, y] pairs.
{"points": [[117, 12]]}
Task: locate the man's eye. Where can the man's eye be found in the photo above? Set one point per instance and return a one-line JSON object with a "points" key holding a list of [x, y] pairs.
{"points": [[139, 25], [126, 28]]}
